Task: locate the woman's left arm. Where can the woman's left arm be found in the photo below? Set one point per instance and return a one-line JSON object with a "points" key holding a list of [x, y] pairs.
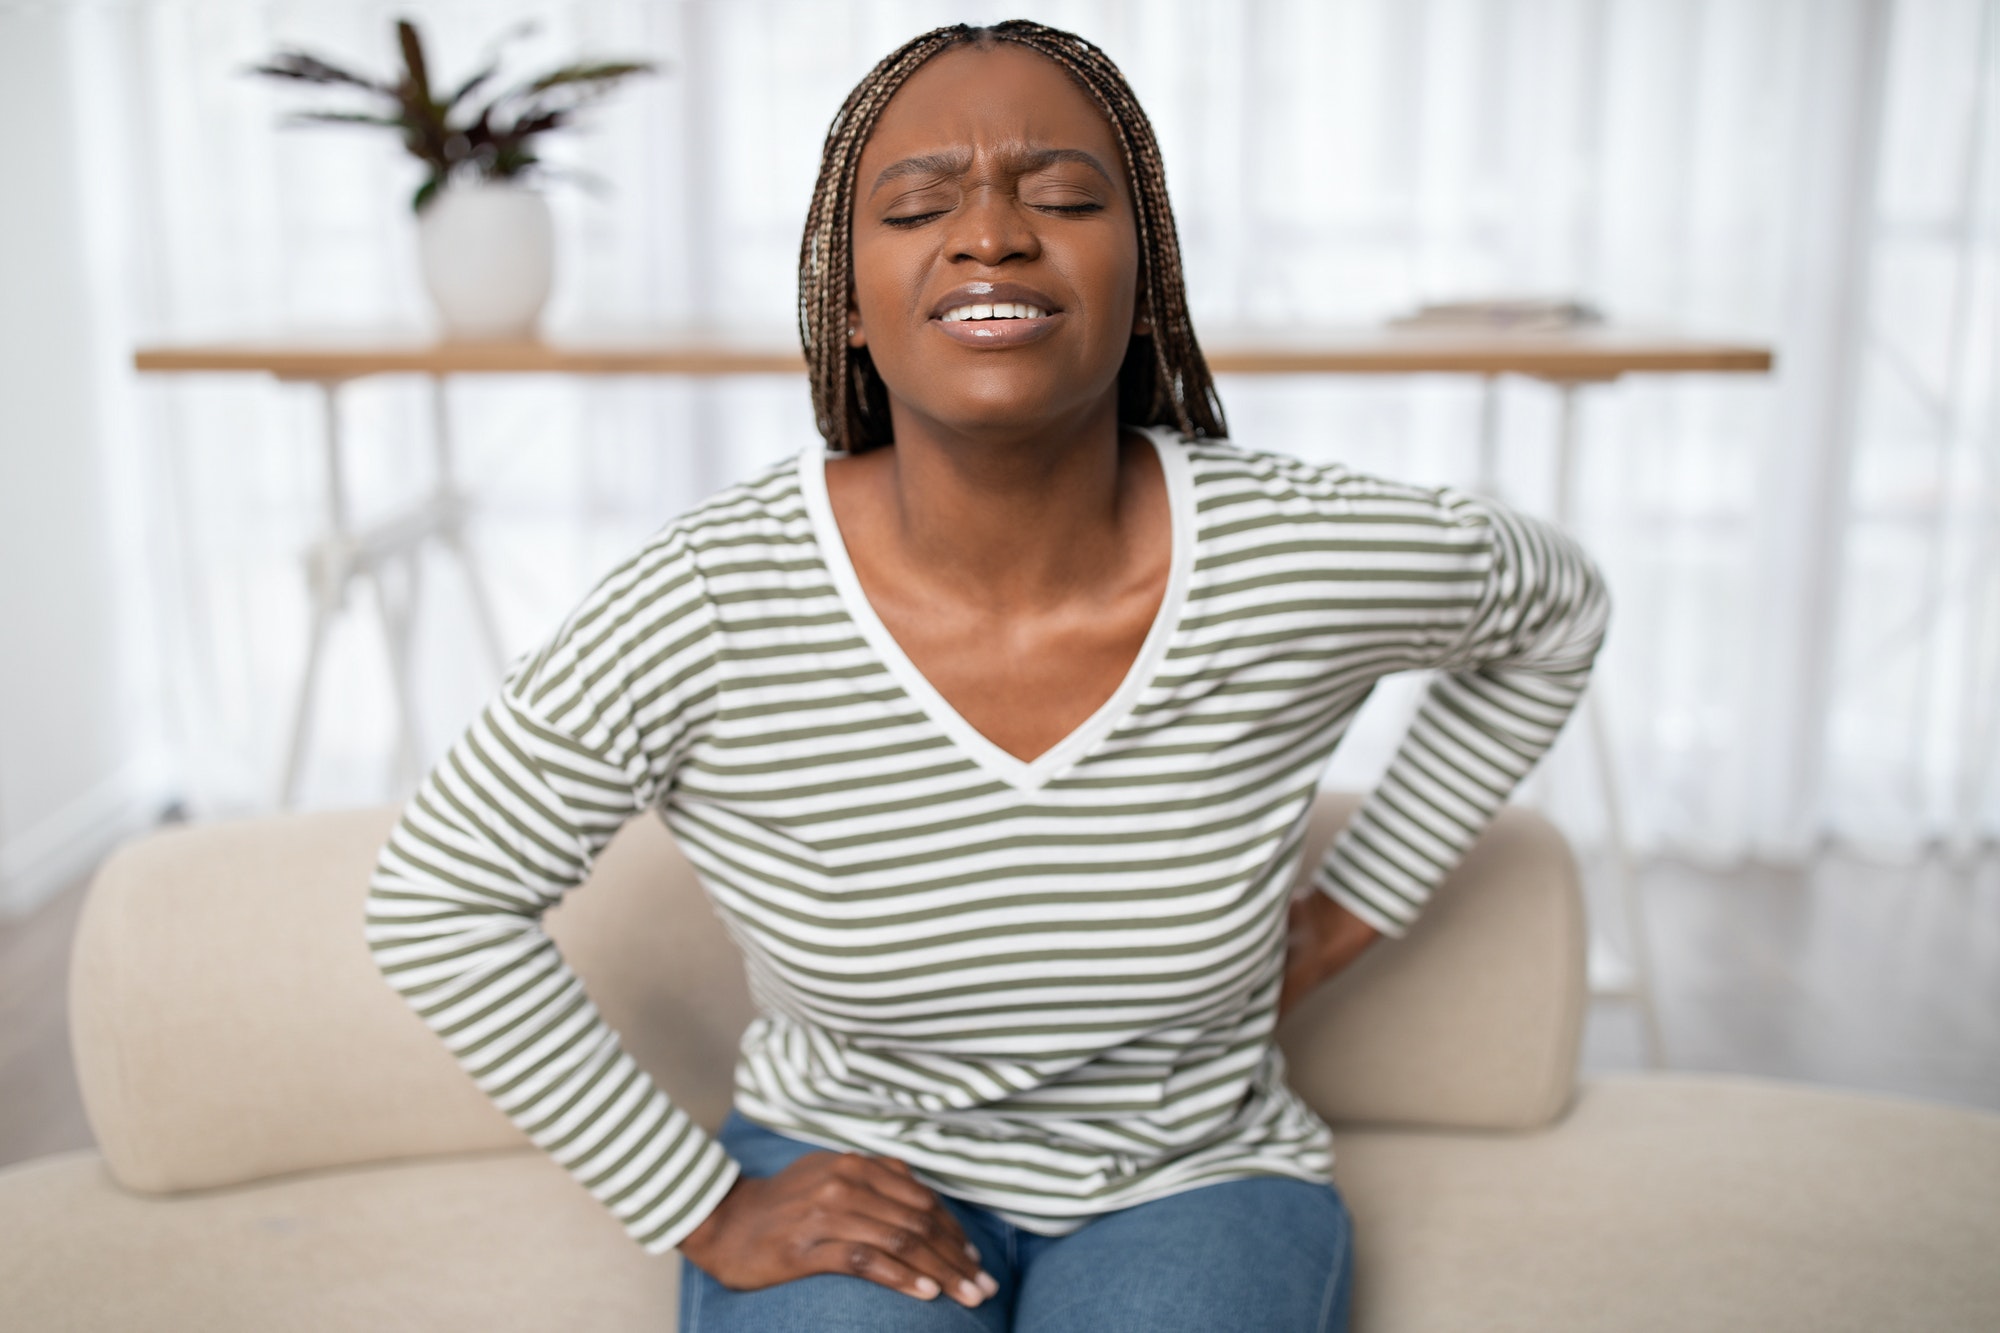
{"points": [[1501, 695]]}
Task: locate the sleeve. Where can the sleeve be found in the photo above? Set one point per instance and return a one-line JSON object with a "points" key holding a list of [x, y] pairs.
{"points": [[1501, 695], [582, 735]]}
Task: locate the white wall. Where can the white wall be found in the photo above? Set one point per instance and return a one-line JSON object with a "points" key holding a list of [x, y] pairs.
{"points": [[79, 755]]}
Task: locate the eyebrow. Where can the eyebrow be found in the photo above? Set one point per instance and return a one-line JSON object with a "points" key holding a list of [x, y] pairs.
{"points": [[959, 161]]}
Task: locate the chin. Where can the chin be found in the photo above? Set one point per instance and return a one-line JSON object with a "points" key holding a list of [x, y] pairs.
{"points": [[997, 403]]}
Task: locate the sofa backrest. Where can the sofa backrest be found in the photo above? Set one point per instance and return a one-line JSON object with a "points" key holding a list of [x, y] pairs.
{"points": [[229, 1023]]}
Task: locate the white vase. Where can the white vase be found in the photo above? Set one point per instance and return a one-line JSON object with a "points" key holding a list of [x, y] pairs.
{"points": [[488, 256]]}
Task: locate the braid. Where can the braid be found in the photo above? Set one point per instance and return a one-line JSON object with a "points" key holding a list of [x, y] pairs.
{"points": [[1164, 380]]}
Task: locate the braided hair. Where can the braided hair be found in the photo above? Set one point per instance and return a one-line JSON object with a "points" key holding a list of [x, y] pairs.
{"points": [[1164, 380]]}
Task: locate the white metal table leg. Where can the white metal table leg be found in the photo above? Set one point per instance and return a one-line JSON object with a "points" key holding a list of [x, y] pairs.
{"points": [[451, 527], [341, 555], [328, 568], [395, 614], [1610, 977], [1487, 476], [325, 599]]}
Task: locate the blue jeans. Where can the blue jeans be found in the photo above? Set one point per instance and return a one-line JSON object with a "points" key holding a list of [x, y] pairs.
{"points": [[1268, 1253]]}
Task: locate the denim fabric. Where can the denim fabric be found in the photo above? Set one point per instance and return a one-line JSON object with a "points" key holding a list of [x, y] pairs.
{"points": [[1268, 1253]]}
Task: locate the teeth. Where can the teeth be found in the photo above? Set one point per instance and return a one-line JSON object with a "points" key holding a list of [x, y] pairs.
{"points": [[997, 310]]}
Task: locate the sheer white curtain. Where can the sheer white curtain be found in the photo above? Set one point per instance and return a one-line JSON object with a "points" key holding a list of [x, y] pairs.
{"points": [[1807, 635]]}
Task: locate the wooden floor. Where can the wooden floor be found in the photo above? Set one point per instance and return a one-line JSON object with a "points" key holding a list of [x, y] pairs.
{"points": [[41, 1111], [1850, 975]]}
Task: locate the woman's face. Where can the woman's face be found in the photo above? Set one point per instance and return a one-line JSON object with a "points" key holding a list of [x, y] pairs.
{"points": [[996, 256]]}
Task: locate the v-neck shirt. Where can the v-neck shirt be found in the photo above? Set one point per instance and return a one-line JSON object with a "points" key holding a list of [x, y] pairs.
{"points": [[1048, 986], [1026, 774]]}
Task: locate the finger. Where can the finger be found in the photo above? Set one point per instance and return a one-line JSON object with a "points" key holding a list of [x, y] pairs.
{"points": [[861, 1178], [892, 1178], [899, 1257], [858, 1259], [936, 1227], [920, 1245], [905, 1189]]}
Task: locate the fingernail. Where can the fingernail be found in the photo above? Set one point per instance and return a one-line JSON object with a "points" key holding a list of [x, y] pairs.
{"points": [[927, 1287], [986, 1282], [969, 1293], [971, 1251]]}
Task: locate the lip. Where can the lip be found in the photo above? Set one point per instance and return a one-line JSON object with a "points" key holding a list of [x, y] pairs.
{"points": [[985, 293], [995, 332]]}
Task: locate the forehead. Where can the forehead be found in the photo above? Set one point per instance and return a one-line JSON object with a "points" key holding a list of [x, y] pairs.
{"points": [[988, 99]]}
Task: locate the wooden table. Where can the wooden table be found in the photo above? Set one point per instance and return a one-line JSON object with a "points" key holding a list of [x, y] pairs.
{"points": [[1603, 352], [1566, 360], [342, 555]]}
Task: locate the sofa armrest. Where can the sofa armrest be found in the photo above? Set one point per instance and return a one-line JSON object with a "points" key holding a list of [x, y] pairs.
{"points": [[229, 1024], [1474, 1018]]}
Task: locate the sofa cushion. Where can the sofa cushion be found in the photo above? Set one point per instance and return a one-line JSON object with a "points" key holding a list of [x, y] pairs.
{"points": [[496, 1241], [1474, 1018], [1661, 1202], [228, 1022], [1684, 1201]]}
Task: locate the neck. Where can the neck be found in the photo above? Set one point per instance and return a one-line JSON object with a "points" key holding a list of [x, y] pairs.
{"points": [[1023, 517]]}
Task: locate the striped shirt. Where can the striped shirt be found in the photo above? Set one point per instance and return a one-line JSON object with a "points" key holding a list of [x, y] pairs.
{"points": [[1050, 985]]}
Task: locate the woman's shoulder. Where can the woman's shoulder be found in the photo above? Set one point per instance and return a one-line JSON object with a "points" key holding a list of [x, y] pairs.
{"points": [[1230, 474], [766, 508], [663, 591]]}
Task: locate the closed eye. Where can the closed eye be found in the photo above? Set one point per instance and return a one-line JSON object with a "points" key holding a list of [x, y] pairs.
{"points": [[917, 219]]}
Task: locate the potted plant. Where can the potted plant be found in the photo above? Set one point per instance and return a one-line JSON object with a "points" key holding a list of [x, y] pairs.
{"points": [[485, 238]]}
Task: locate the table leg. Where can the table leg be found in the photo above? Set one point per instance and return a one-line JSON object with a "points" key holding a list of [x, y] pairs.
{"points": [[452, 530], [329, 565], [337, 557], [1488, 474], [1610, 976], [323, 606], [1565, 448], [394, 613]]}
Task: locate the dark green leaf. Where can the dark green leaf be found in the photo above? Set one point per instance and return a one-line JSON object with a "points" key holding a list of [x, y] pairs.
{"points": [[465, 89], [341, 118], [539, 123], [605, 71], [311, 69], [413, 59]]}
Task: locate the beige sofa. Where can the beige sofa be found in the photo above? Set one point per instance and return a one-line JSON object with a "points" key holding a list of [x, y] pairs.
{"points": [[283, 1144]]}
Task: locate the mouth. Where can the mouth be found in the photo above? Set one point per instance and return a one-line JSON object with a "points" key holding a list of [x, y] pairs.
{"points": [[993, 310], [995, 314]]}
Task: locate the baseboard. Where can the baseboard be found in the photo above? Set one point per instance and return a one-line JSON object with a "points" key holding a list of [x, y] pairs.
{"points": [[40, 861]]}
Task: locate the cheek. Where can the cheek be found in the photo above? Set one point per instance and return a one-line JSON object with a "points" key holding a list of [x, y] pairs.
{"points": [[885, 276], [1106, 270]]}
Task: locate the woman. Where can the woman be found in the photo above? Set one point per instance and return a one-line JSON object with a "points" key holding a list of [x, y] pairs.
{"points": [[992, 732]]}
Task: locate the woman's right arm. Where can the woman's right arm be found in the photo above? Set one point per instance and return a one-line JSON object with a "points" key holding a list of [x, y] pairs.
{"points": [[583, 735]]}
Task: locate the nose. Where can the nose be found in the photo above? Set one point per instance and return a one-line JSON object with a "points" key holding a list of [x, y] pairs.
{"points": [[990, 228]]}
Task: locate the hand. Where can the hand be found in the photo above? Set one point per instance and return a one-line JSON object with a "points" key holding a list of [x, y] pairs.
{"points": [[839, 1213], [1325, 938]]}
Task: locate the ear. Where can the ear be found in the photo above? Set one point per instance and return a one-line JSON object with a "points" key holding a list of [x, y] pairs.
{"points": [[856, 335], [1142, 323]]}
